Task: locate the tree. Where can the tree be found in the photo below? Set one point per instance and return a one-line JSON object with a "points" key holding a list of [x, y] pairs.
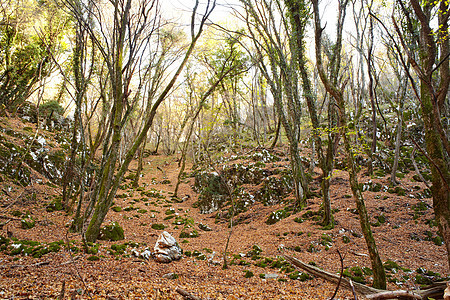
{"points": [[338, 94], [299, 13], [428, 53], [25, 55], [279, 69], [126, 45]]}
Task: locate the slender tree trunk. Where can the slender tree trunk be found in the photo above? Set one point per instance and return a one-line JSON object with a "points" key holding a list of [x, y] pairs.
{"points": [[298, 21], [372, 98], [398, 139], [140, 164], [377, 266], [277, 134]]}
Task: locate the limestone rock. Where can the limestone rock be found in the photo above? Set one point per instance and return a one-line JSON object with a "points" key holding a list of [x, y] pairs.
{"points": [[166, 248]]}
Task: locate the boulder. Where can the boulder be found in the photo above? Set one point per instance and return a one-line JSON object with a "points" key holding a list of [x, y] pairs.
{"points": [[166, 248]]}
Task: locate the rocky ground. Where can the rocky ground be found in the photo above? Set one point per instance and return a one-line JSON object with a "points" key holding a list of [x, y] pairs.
{"points": [[45, 261]]}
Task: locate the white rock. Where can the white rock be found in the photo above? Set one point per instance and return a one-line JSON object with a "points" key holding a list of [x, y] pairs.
{"points": [[166, 248], [270, 276]]}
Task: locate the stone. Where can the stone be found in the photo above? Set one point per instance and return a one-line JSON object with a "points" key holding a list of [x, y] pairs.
{"points": [[166, 248], [271, 276]]}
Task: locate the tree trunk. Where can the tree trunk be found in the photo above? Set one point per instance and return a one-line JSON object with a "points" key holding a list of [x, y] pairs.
{"points": [[440, 171], [140, 164], [298, 22], [110, 180], [377, 266]]}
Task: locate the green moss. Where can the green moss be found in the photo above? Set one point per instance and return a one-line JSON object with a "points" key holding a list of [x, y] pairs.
{"points": [[345, 239], [438, 241], [204, 227], [112, 232], [391, 265], [355, 273], [55, 205], [299, 220], [16, 213], [93, 258], [158, 226], [423, 279], [116, 208], [276, 216], [27, 223], [248, 274], [185, 234], [92, 248], [304, 276]]}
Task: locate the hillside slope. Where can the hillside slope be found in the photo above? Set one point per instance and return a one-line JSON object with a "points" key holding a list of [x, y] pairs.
{"points": [[39, 257]]}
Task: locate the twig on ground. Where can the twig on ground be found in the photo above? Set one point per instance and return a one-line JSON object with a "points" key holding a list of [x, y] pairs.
{"points": [[353, 289], [43, 263]]}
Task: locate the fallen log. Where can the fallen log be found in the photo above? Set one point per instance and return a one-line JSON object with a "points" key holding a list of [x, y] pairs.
{"points": [[359, 288], [435, 291], [394, 295]]}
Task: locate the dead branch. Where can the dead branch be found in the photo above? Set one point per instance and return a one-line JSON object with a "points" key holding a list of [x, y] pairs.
{"points": [[394, 295], [416, 168], [436, 290], [187, 295], [353, 289], [340, 277], [360, 288]]}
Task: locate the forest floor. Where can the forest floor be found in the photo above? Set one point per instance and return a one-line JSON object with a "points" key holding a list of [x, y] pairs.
{"points": [[405, 236]]}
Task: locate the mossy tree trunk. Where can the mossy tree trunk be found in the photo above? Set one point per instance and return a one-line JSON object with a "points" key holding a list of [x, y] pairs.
{"points": [[428, 53], [299, 15], [432, 103], [337, 93], [140, 166], [281, 75]]}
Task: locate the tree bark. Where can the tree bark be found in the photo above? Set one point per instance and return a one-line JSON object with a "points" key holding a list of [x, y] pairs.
{"points": [[336, 92]]}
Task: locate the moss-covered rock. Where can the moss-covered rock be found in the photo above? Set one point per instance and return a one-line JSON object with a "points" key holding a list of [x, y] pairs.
{"points": [[55, 205], [112, 232], [213, 192], [277, 216], [27, 223], [158, 226], [275, 188]]}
